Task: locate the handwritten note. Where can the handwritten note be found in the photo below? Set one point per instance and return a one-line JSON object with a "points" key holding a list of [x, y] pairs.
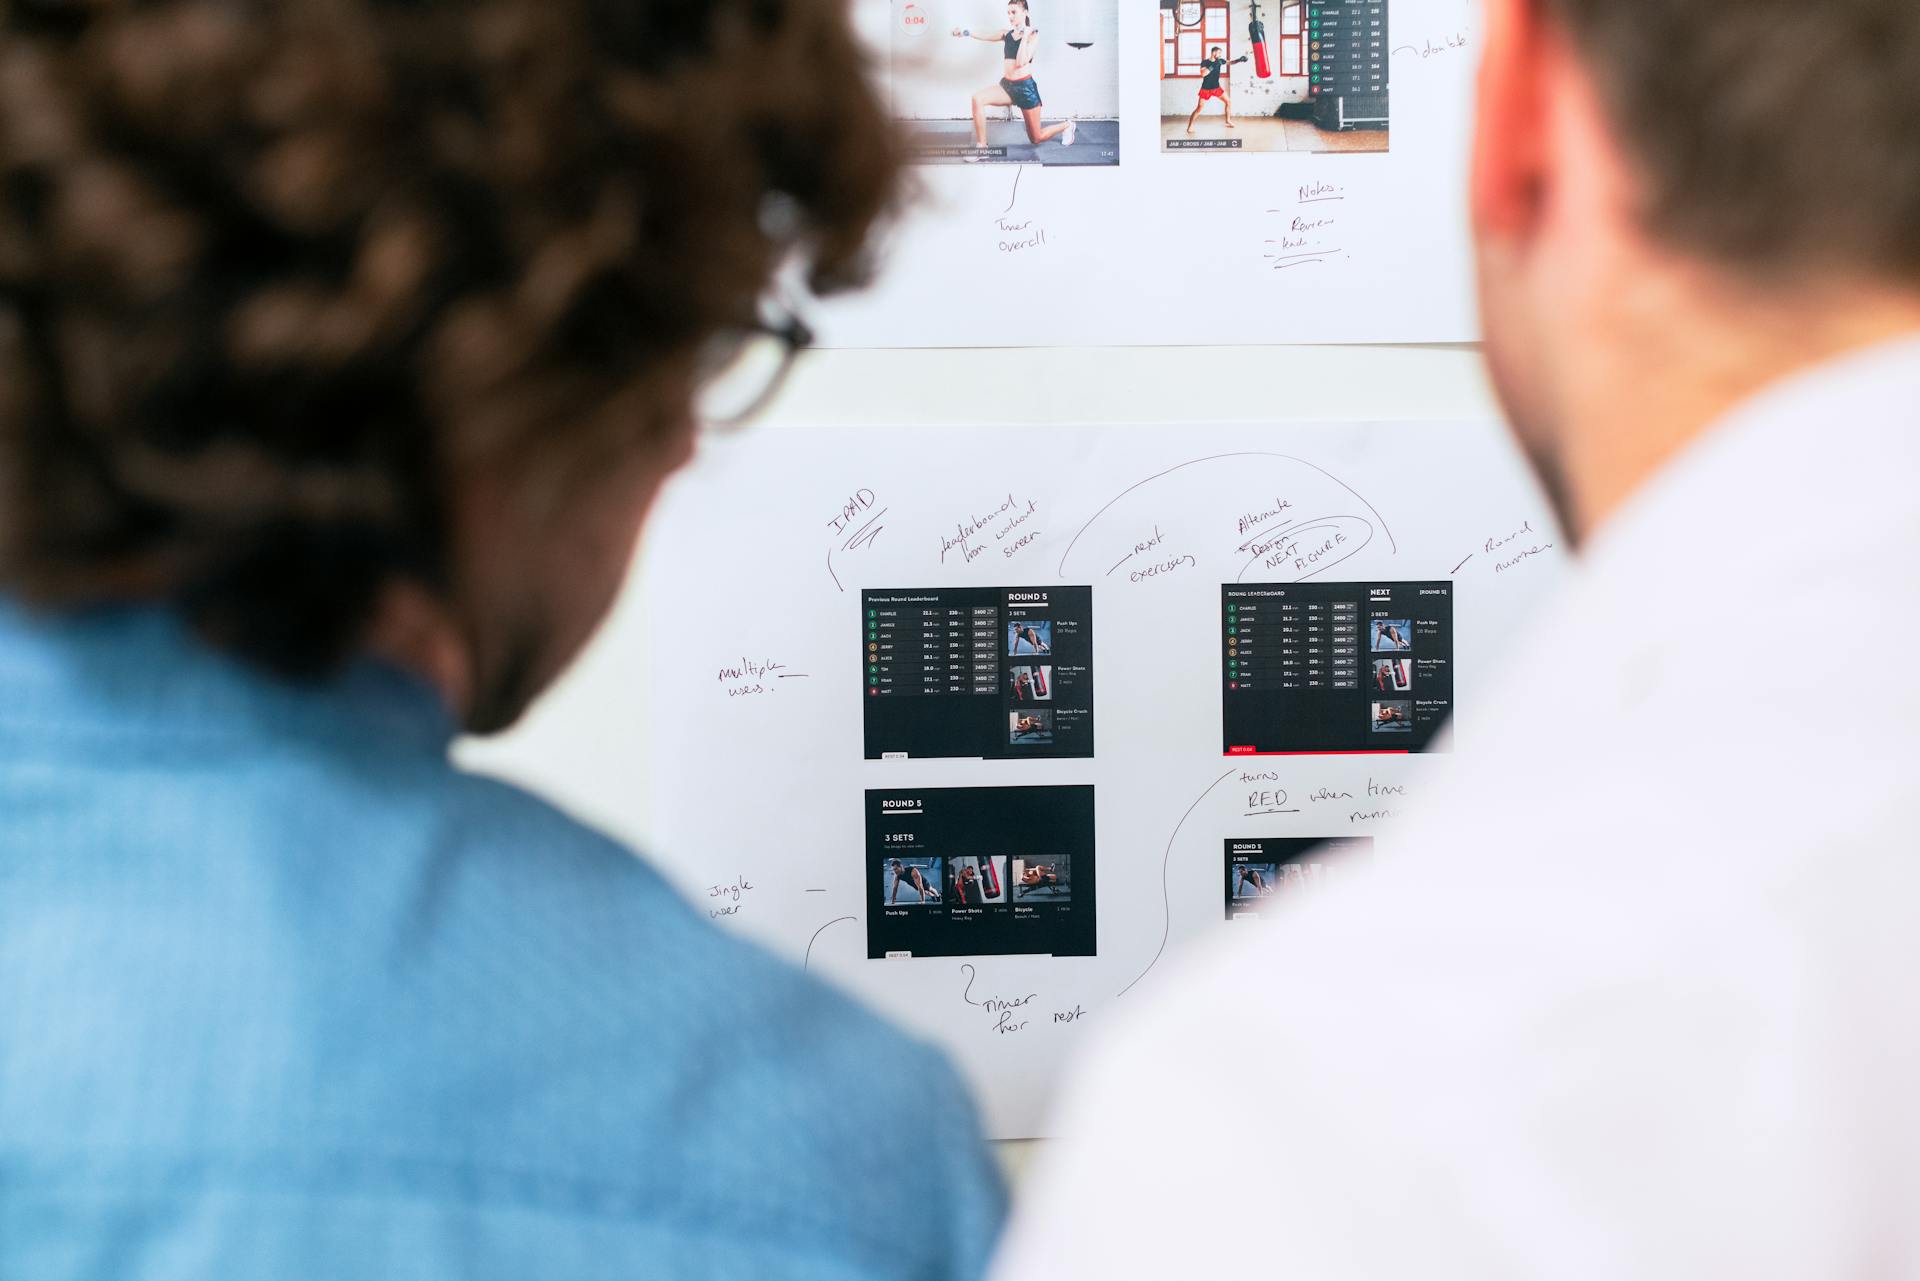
{"points": [[1386, 798], [725, 900], [1452, 42], [1264, 798], [855, 526], [1009, 1013], [1269, 800], [1018, 237], [753, 677], [1306, 550], [1151, 558], [1309, 521], [1007, 525], [1306, 231], [1509, 551], [1516, 547], [1017, 231], [1259, 521]]}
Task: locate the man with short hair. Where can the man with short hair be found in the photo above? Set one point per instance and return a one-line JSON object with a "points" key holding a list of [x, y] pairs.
{"points": [[1635, 1000], [342, 349], [1215, 65]]}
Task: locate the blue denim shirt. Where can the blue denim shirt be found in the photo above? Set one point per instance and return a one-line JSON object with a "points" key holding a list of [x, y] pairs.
{"points": [[284, 994]]}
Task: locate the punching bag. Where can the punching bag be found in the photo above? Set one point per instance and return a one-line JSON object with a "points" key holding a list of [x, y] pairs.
{"points": [[1257, 37], [1077, 24]]}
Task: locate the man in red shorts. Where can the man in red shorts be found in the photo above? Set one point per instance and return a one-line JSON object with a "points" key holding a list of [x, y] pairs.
{"points": [[1210, 87]]}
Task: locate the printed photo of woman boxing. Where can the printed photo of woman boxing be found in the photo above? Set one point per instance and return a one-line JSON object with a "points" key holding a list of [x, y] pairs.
{"points": [[1046, 91]]}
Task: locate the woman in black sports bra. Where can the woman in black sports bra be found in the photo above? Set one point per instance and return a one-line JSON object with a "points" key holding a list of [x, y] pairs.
{"points": [[1017, 88]]}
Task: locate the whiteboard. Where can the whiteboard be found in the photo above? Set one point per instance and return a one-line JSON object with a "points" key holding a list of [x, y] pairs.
{"points": [[1011, 301], [757, 800]]}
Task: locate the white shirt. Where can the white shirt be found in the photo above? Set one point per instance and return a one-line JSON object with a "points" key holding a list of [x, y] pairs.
{"points": [[1636, 994]]}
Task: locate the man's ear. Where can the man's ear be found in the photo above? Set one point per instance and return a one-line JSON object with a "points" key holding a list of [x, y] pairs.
{"points": [[1511, 165]]}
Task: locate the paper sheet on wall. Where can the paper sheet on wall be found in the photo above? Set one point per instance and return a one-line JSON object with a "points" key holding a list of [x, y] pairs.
{"points": [[1309, 220], [986, 733]]}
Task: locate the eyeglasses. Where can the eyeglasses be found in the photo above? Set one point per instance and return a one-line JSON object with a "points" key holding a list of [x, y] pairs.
{"points": [[744, 369]]}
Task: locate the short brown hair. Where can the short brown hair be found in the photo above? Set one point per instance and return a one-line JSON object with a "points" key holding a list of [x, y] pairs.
{"points": [[1773, 136], [271, 271]]}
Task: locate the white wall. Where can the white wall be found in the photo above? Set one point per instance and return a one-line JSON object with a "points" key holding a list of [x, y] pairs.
{"points": [[933, 76]]}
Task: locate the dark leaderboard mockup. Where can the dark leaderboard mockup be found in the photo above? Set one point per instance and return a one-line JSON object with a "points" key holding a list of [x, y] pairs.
{"points": [[980, 871], [1347, 57], [1271, 870], [1328, 668], [988, 672]]}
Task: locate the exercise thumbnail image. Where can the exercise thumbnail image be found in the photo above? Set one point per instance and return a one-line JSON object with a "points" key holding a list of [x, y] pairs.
{"points": [[1030, 636], [1393, 674], [912, 882], [1392, 634], [979, 882], [1029, 727], [1042, 880], [1255, 880], [1297, 876], [1007, 81], [1033, 684], [1393, 718], [1272, 75]]}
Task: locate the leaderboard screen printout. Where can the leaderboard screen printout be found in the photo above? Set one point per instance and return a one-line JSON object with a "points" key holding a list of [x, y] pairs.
{"points": [[983, 672], [980, 871], [1348, 57], [1313, 668]]}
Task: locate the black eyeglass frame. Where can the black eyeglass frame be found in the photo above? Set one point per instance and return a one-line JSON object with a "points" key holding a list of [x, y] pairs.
{"points": [[795, 335]]}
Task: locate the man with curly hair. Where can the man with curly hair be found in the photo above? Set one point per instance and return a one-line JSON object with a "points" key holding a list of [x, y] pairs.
{"points": [[343, 346]]}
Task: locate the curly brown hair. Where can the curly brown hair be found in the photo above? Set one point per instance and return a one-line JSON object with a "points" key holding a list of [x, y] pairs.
{"points": [[273, 273]]}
